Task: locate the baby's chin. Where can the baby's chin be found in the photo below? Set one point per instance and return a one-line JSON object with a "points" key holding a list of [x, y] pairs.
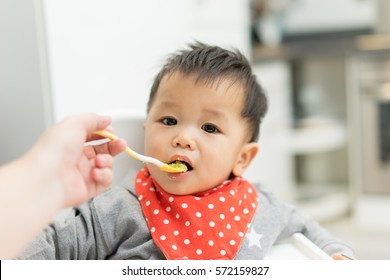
{"points": [[178, 188], [175, 190]]}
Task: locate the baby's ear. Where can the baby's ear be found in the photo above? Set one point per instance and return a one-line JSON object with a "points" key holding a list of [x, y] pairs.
{"points": [[247, 154]]}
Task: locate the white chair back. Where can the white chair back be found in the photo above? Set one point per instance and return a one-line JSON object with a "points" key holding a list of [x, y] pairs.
{"points": [[129, 126]]}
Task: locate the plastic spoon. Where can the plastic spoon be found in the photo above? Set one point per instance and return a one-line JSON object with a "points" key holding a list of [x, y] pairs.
{"points": [[163, 166]]}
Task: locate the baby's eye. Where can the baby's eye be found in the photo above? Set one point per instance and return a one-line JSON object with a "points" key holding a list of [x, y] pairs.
{"points": [[210, 128], [169, 121]]}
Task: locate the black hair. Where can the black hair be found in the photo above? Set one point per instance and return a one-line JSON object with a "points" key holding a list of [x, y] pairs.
{"points": [[212, 64]]}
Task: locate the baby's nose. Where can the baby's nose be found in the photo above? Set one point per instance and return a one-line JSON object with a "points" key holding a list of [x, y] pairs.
{"points": [[185, 141]]}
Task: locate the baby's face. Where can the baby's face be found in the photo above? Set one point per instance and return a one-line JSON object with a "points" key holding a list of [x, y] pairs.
{"points": [[198, 124]]}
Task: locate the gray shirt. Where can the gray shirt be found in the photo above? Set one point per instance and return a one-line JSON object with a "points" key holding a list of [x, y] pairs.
{"points": [[112, 226]]}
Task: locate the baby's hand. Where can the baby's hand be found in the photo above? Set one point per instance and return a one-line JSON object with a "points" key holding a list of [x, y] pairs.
{"points": [[341, 257]]}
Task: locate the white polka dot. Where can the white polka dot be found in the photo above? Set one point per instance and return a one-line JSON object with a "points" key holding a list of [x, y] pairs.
{"points": [[232, 242], [144, 184], [152, 229], [186, 241], [168, 209], [166, 221], [211, 206], [228, 226], [139, 181], [245, 196], [170, 199], [222, 199], [232, 192], [220, 234], [155, 212], [223, 252], [163, 237], [140, 197], [197, 198], [253, 205], [222, 216], [240, 202], [152, 190], [212, 224], [174, 247], [177, 216], [176, 233], [184, 205], [199, 232], [241, 234], [147, 203], [246, 211], [250, 190], [198, 214], [237, 218], [232, 209], [187, 223], [211, 243], [199, 252]]}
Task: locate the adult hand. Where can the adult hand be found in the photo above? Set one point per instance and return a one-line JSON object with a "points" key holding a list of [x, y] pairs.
{"points": [[80, 172], [59, 171]]}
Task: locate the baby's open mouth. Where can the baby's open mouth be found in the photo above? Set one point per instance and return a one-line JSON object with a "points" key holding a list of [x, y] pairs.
{"points": [[182, 165]]}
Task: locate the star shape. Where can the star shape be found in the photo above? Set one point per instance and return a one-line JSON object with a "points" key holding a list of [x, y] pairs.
{"points": [[254, 238]]}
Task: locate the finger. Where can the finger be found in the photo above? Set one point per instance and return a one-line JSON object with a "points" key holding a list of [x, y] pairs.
{"points": [[90, 121], [104, 161], [113, 148], [101, 149], [117, 146], [103, 176], [92, 136], [89, 152]]}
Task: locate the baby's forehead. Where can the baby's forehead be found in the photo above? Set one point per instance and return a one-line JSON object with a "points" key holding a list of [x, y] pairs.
{"points": [[225, 87], [229, 83]]}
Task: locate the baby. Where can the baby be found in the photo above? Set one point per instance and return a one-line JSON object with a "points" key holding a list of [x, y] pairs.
{"points": [[205, 110]]}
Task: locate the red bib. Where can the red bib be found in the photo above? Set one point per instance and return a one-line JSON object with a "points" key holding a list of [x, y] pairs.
{"points": [[207, 225]]}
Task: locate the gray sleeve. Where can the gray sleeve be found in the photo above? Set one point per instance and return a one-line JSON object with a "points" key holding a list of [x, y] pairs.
{"points": [[72, 238], [278, 221], [81, 235], [296, 222]]}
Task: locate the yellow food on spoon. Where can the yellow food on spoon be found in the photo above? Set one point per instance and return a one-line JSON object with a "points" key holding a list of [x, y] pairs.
{"points": [[178, 165]]}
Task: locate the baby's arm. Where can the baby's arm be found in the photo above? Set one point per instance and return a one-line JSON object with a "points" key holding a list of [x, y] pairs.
{"points": [[96, 230], [67, 239], [319, 236]]}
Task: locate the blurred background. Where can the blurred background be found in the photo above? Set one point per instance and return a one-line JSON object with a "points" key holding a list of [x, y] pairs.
{"points": [[325, 66]]}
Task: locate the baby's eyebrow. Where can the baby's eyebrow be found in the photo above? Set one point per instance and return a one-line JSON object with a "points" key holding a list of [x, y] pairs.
{"points": [[168, 104], [219, 114]]}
